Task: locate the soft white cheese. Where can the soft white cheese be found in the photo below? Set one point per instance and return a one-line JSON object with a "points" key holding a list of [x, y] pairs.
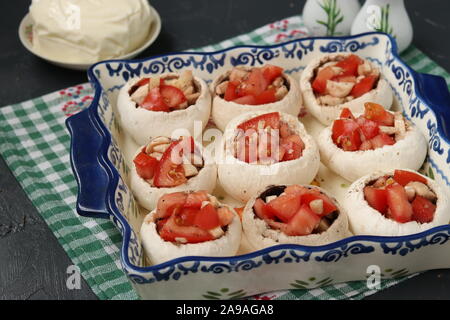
{"points": [[87, 31]]}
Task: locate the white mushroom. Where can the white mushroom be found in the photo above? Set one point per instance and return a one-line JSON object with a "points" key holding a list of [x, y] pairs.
{"points": [[238, 74], [281, 92], [153, 83], [400, 127], [185, 80], [339, 89], [221, 88], [139, 95], [156, 142], [329, 100], [189, 170], [316, 206], [422, 190]]}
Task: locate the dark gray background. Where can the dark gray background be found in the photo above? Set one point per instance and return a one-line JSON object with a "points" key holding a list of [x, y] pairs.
{"points": [[32, 263]]}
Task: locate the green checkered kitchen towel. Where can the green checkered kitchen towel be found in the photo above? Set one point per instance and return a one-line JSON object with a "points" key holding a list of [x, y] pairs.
{"points": [[35, 144]]}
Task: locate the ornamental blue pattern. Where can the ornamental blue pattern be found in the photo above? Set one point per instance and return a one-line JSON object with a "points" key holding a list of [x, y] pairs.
{"points": [[336, 254], [435, 139], [255, 56], [345, 45], [405, 247]]}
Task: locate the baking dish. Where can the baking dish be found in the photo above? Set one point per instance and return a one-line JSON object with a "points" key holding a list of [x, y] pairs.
{"points": [[101, 171]]}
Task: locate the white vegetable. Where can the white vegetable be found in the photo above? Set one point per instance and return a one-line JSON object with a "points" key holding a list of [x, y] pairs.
{"points": [[147, 195], [223, 111], [142, 124], [260, 235], [158, 250], [409, 152], [382, 94], [242, 180], [366, 220]]}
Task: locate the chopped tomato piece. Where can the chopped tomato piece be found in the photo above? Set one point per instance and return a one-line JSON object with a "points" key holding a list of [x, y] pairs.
{"points": [[293, 147], [376, 198], [423, 210], [230, 92], [365, 85], [207, 218], [349, 65], [172, 96], [351, 142], [225, 216], [145, 165], [169, 203], [368, 128], [382, 140], [376, 112], [169, 174], [253, 85], [195, 199], [347, 114], [285, 206], [284, 130], [262, 210], [267, 96], [328, 205], [343, 127], [173, 232], [154, 101], [303, 222], [400, 209], [320, 82], [404, 177], [186, 216], [268, 120], [271, 72], [248, 99]]}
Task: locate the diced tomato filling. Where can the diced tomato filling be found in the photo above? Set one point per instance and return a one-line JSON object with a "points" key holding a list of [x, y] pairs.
{"points": [[376, 112], [207, 218], [256, 88], [404, 177], [285, 206], [389, 197], [165, 172], [145, 165], [195, 199], [362, 133], [303, 222], [345, 70], [271, 120], [294, 212], [162, 98], [400, 209], [350, 65], [377, 198], [363, 86], [257, 143], [320, 82], [179, 219], [423, 210]]}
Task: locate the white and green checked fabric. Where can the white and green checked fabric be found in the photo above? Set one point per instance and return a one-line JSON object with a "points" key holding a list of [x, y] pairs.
{"points": [[35, 144]]}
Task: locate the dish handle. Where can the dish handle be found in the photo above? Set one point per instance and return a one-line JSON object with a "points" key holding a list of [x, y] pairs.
{"points": [[434, 92], [91, 176]]}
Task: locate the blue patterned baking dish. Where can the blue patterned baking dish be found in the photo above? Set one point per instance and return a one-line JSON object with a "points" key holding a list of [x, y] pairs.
{"points": [[99, 166]]}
